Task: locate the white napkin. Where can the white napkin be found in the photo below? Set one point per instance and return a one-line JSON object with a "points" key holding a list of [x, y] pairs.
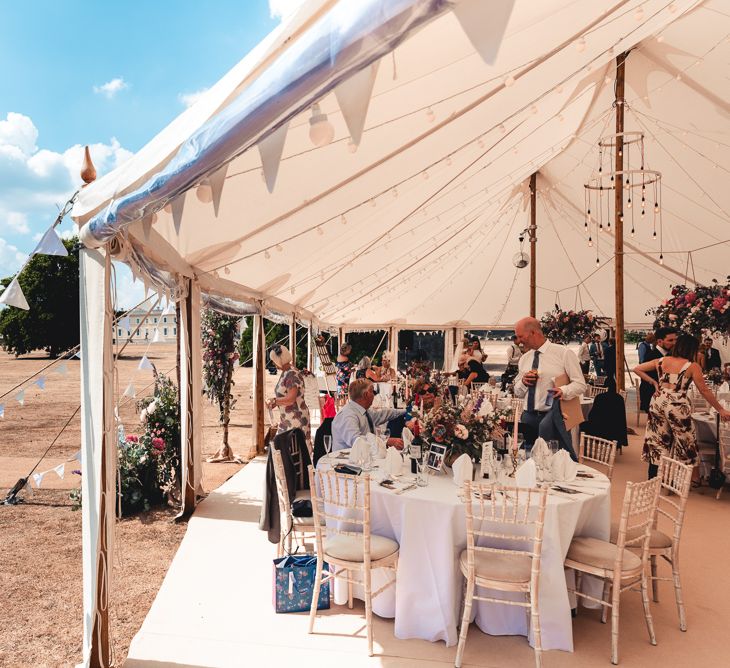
{"points": [[563, 467], [526, 474], [377, 446], [407, 437], [463, 470], [360, 450], [541, 451], [393, 462]]}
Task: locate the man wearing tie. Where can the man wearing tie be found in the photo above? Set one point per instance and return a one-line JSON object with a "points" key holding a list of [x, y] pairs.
{"points": [[538, 368], [713, 356], [597, 355], [355, 418], [665, 337]]}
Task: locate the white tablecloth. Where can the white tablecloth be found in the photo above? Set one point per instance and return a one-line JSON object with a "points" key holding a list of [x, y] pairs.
{"points": [[430, 527], [705, 427]]}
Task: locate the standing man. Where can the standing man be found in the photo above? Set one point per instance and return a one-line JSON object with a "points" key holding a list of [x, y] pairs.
{"points": [[597, 355], [665, 338], [584, 355], [355, 419], [541, 364], [712, 355], [645, 347], [514, 352]]}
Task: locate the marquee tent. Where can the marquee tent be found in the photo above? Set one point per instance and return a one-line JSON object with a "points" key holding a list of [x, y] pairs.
{"points": [[367, 165]]}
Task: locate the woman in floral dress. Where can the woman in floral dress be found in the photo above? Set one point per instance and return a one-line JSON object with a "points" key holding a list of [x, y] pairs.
{"points": [[289, 397], [669, 429], [344, 371]]}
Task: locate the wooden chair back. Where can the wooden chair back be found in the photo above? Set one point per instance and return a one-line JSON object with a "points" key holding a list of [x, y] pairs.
{"points": [[675, 478], [592, 391], [598, 451], [637, 517]]}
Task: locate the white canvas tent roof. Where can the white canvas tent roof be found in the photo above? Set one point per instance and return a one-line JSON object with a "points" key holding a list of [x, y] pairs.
{"points": [[418, 226]]}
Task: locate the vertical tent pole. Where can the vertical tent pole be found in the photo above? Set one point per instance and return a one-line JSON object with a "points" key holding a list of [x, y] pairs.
{"points": [[619, 222], [533, 245], [191, 392], [259, 361], [98, 453], [310, 348], [293, 338]]}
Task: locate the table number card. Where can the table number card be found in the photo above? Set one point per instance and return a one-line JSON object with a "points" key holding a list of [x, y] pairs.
{"points": [[435, 457]]}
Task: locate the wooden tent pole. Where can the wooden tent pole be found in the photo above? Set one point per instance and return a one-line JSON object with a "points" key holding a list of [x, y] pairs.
{"points": [[293, 338], [310, 349], [619, 222], [259, 352], [533, 244]]}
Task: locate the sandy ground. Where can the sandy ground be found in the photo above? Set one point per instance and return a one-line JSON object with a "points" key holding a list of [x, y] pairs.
{"points": [[40, 550]]}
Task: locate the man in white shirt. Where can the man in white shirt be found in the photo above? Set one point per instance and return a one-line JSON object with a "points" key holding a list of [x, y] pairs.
{"points": [[356, 419], [541, 364], [514, 352], [584, 355]]}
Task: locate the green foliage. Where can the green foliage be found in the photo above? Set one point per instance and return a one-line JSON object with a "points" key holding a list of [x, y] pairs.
{"points": [[51, 286], [275, 332], [219, 356]]}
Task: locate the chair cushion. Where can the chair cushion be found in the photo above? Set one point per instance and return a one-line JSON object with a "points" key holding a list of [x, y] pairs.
{"points": [[351, 548], [657, 541], [600, 554], [499, 567]]}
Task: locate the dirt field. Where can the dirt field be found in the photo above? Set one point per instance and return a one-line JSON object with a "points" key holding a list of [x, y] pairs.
{"points": [[40, 551]]}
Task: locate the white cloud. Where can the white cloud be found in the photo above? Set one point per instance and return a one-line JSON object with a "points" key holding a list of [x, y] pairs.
{"points": [[17, 222], [10, 258], [111, 88], [18, 132], [189, 99], [281, 9]]}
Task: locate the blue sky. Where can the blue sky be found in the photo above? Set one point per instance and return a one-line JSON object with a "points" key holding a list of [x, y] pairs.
{"points": [[107, 74]]}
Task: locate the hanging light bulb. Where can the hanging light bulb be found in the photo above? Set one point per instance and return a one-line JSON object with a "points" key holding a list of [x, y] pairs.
{"points": [[653, 235], [590, 242], [561, 118], [533, 108], [661, 258], [448, 161], [580, 44], [373, 203], [321, 131], [226, 270], [656, 207], [598, 261], [430, 115], [502, 129], [395, 192], [320, 231], [204, 192], [267, 255], [509, 80], [279, 248], [424, 174], [629, 204], [480, 143], [343, 219], [639, 14], [632, 231]]}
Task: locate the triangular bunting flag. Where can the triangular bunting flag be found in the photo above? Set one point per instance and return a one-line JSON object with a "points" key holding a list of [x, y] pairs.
{"points": [[217, 179], [78, 354], [13, 296], [156, 337], [41, 382], [76, 457], [130, 392], [270, 149], [147, 226], [125, 324], [353, 96], [178, 204], [50, 244], [20, 397], [170, 310], [60, 470], [62, 368], [38, 479], [2, 410], [484, 24], [144, 363]]}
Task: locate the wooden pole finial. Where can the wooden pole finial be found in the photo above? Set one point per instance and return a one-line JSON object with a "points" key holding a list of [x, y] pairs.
{"points": [[88, 171]]}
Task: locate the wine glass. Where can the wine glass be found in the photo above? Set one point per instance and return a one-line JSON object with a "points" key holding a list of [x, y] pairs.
{"points": [[386, 436], [554, 446], [328, 444]]}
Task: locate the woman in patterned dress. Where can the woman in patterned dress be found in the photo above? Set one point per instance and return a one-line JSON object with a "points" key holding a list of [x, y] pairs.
{"points": [[289, 397], [669, 429], [344, 371]]}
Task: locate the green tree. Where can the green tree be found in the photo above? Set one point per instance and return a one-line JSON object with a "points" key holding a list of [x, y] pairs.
{"points": [[50, 284], [275, 332]]}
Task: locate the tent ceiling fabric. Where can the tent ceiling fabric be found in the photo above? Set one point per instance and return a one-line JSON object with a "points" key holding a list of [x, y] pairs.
{"points": [[417, 225]]}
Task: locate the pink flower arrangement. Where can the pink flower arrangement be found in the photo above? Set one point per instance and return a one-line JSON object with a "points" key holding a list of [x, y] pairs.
{"points": [[704, 309], [132, 439]]}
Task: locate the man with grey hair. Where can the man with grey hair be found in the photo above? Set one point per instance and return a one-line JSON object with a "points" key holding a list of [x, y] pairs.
{"points": [[355, 418], [540, 366]]}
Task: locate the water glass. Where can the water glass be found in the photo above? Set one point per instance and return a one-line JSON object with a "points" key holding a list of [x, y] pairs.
{"points": [[386, 435], [328, 444], [422, 475]]}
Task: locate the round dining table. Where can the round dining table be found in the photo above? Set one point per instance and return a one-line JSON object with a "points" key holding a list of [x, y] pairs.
{"points": [[429, 524]]}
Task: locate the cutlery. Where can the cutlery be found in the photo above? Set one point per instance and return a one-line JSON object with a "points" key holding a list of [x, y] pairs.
{"points": [[405, 489]]}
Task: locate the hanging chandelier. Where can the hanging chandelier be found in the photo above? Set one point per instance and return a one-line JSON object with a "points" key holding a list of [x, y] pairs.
{"points": [[642, 190]]}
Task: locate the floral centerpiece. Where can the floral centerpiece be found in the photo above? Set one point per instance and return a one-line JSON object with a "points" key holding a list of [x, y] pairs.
{"points": [[566, 326], [703, 309], [714, 377], [465, 424]]}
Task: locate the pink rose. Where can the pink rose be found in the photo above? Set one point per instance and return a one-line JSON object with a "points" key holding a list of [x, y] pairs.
{"points": [[690, 297], [718, 303], [132, 439]]}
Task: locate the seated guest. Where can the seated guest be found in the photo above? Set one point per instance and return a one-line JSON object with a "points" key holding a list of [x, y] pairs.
{"points": [[475, 350], [387, 372], [607, 418], [365, 369], [355, 419], [477, 372]]}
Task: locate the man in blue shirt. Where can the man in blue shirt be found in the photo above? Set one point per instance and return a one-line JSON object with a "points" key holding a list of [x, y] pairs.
{"points": [[355, 419]]}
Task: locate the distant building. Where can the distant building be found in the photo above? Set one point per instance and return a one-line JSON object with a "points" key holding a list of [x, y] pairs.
{"points": [[145, 326]]}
